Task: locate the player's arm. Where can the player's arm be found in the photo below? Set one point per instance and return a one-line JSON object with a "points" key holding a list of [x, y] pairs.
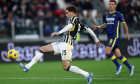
{"points": [[93, 36], [83, 27], [66, 28], [100, 27], [121, 18], [126, 30]]}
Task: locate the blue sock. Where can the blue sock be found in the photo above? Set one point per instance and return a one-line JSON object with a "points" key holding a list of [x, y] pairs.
{"points": [[124, 60], [114, 59]]}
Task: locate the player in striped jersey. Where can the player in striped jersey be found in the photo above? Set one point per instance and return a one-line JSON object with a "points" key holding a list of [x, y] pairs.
{"points": [[71, 35], [65, 45], [111, 22]]}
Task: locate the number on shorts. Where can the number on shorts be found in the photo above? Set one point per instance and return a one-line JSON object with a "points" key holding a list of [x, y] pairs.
{"points": [[63, 52], [111, 40]]}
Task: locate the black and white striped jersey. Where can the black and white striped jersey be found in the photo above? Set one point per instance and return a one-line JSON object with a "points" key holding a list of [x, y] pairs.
{"points": [[71, 35]]}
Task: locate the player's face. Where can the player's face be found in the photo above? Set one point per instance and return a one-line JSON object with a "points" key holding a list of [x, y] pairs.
{"points": [[112, 6], [68, 14]]}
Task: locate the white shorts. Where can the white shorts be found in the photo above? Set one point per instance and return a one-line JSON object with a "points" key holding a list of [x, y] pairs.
{"points": [[64, 49]]}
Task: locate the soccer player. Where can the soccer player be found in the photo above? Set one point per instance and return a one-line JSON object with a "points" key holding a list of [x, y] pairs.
{"points": [[111, 22], [65, 45]]}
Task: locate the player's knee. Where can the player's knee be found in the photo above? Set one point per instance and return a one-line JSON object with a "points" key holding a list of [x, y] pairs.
{"points": [[107, 52], [117, 54], [43, 49], [66, 68]]}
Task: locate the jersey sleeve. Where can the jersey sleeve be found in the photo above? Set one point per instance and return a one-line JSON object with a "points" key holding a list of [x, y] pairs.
{"points": [[72, 20], [83, 26], [121, 18], [86, 28]]}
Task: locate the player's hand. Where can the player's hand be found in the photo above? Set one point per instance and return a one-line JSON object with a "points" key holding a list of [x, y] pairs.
{"points": [[95, 27], [55, 33], [98, 43], [128, 37]]}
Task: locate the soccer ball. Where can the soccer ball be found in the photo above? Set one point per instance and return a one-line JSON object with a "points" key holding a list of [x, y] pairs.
{"points": [[12, 54]]}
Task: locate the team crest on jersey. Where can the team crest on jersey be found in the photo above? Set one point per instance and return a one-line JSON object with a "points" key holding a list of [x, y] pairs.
{"points": [[107, 16]]}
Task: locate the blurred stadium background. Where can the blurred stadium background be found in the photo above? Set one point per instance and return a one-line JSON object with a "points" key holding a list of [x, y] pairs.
{"points": [[25, 25]]}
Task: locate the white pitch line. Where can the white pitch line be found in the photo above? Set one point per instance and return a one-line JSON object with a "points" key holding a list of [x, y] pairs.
{"points": [[116, 79], [104, 75], [42, 78], [70, 78], [114, 75]]}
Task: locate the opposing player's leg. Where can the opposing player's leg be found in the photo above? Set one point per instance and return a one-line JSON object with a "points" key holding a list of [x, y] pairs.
{"points": [[43, 49], [75, 69], [124, 60], [112, 56]]}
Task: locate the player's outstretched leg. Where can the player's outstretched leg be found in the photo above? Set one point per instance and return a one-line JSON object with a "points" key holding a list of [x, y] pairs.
{"points": [[33, 61], [131, 67], [114, 59], [77, 70]]}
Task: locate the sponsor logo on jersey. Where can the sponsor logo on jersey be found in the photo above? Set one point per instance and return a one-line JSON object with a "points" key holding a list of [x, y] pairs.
{"points": [[110, 20]]}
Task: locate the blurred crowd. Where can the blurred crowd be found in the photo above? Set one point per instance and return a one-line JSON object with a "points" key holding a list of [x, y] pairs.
{"points": [[27, 16]]}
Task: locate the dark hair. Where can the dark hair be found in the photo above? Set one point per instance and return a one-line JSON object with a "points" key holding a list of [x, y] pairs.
{"points": [[71, 9], [113, 1]]}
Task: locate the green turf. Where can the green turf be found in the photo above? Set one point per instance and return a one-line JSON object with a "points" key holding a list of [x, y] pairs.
{"points": [[53, 73]]}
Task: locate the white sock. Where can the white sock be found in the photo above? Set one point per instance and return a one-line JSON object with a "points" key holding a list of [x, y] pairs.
{"points": [[77, 70], [34, 60]]}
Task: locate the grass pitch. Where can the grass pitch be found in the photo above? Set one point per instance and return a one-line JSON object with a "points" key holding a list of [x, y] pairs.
{"points": [[53, 73]]}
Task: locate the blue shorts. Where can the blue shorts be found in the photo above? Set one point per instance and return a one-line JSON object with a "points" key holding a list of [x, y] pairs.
{"points": [[113, 42]]}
